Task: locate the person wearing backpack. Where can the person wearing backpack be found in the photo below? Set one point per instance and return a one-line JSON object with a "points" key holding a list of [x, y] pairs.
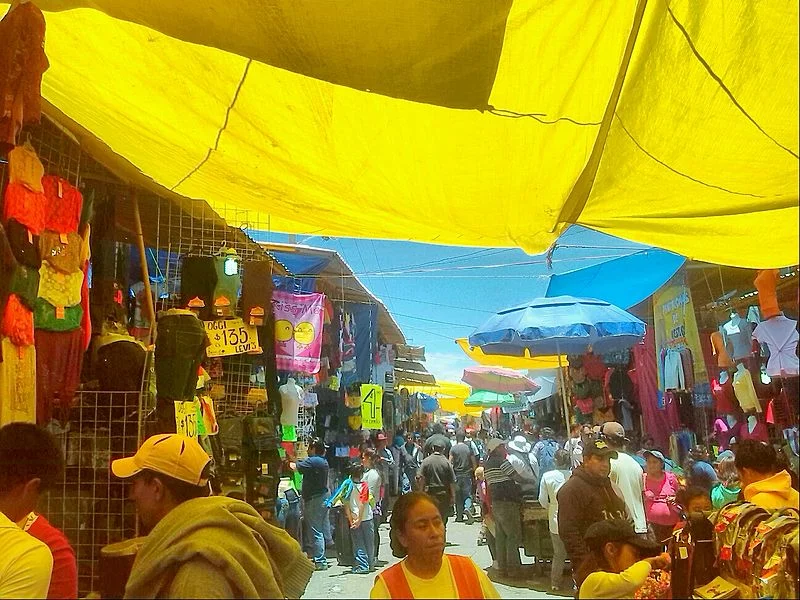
{"points": [[545, 451], [761, 481]]}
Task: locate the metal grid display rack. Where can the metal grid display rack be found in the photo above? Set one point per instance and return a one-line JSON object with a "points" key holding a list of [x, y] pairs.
{"points": [[89, 505]]}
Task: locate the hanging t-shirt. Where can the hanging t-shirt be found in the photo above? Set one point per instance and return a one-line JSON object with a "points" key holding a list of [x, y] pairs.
{"points": [[738, 333], [745, 390], [781, 337]]}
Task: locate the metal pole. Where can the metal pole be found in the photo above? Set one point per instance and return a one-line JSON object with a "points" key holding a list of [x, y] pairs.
{"points": [[563, 389], [150, 308]]}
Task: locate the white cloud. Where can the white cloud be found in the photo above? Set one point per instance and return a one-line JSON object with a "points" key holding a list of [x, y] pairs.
{"points": [[447, 366]]}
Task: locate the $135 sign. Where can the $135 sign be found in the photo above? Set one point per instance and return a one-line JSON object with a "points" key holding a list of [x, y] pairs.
{"points": [[229, 337]]}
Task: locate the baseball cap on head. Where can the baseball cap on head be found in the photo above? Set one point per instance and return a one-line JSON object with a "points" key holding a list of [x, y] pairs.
{"points": [[170, 454], [614, 430], [599, 448], [381, 436], [617, 530], [493, 443], [656, 454]]}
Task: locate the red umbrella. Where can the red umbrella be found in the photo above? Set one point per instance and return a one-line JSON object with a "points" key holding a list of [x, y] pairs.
{"points": [[499, 380]]}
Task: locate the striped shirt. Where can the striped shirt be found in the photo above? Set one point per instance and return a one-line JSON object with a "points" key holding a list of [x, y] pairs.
{"points": [[499, 474]]}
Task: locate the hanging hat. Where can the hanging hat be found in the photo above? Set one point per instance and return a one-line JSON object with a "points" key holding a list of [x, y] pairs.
{"points": [[766, 282]]}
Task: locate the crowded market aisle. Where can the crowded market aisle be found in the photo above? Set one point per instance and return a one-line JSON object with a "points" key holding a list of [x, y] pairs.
{"points": [[338, 582]]}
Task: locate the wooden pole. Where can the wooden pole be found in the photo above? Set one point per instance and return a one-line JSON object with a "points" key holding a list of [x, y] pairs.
{"points": [[149, 306]]}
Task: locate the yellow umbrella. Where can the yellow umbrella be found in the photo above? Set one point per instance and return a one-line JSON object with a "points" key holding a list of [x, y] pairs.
{"points": [[527, 362], [450, 389]]}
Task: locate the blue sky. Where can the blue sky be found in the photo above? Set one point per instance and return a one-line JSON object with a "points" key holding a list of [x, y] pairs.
{"points": [[438, 293]]}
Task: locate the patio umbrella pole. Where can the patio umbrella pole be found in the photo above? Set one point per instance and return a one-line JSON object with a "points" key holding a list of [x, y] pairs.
{"points": [[563, 388]]}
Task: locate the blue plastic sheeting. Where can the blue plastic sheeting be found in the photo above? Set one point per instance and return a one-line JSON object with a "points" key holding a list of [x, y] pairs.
{"points": [[623, 282], [295, 285], [428, 404], [301, 264]]}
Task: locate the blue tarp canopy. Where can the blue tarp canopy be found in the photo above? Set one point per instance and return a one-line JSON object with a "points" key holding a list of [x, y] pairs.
{"points": [[623, 282]]}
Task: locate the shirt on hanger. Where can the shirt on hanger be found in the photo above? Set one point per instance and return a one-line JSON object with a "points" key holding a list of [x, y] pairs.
{"points": [[781, 337]]}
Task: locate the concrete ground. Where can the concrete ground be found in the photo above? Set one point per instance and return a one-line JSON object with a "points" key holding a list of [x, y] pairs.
{"points": [[338, 582]]}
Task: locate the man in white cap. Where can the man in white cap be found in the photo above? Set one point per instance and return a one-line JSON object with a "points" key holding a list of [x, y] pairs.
{"points": [[627, 477], [202, 546]]}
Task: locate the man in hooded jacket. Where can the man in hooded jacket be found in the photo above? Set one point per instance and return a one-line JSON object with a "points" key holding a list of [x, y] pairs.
{"points": [[587, 498], [200, 546]]}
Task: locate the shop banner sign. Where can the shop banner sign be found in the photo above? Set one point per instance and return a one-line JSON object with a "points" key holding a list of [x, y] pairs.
{"points": [[298, 331], [678, 347], [229, 337], [371, 406], [186, 418]]}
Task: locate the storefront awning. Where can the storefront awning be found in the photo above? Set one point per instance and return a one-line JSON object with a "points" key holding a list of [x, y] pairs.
{"points": [[623, 282], [334, 277], [673, 124]]}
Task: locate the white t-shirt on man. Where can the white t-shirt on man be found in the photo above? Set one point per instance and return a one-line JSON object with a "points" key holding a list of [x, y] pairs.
{"points": [[626, 479]]}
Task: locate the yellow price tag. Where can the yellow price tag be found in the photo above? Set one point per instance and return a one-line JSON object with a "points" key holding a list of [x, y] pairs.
{"points": [[186, 418], [371, 406], [229, 337]]}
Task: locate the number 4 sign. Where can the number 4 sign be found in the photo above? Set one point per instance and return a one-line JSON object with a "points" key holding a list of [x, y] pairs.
{"points": [[371, 406]]}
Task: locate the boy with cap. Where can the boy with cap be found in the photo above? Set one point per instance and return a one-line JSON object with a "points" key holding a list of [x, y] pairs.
{"points": [[202, 546], [627, 477], [587, 498]]}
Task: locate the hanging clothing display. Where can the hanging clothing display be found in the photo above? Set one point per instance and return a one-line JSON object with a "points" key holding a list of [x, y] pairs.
{"points": [[745, 391], [724, 360], [64, 251], [24, 205], [17, 383], [63, 204], [753, 431], [738, 334], [181, 344], [780, 335], [680, 442], [24, 244], [298, 331], [658, 423], [60, 289], [674, 374], [766, 283], [59, 358], [724, 397], [25, 167], [22, 64], [207, 287], [52, 318], [17, 321], [256, 291]]}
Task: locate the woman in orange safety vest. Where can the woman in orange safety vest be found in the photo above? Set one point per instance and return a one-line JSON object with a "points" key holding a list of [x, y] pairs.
{"points": [[417, 536]]}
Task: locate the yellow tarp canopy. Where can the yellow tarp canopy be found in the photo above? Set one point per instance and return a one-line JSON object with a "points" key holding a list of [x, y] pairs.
{"points": [[529, 363], [493, 123], [451, 396]]}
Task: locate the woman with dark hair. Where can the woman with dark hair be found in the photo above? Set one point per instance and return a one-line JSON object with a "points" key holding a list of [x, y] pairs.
{"points": [[417, 536], [728, 488]]}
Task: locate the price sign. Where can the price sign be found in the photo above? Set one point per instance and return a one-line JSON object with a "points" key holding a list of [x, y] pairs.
{"points": [[371, 406], [229, 337], [186, 419]]}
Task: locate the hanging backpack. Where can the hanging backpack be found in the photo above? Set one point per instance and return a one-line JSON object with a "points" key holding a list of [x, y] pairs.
{"points": [[772, 552], [733, 525]]}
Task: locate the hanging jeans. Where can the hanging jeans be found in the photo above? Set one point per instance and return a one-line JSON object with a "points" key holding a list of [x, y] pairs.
{"points": [[559, 560], [463, 495], [315, 515], [363, 546], [508, 530], [180, 348]]}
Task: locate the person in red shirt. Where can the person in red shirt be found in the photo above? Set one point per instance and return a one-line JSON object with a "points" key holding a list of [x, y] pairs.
{"points": [[64, 580]]}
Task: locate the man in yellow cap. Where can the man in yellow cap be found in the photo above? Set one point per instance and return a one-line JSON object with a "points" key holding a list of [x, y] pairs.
{"points": [[202, 546]]}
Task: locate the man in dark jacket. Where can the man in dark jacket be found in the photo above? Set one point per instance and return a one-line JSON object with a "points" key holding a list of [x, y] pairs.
{"points": [[586, 498]]}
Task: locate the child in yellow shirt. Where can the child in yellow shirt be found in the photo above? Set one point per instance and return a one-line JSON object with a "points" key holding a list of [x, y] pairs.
{"points": [[619, 562]]}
